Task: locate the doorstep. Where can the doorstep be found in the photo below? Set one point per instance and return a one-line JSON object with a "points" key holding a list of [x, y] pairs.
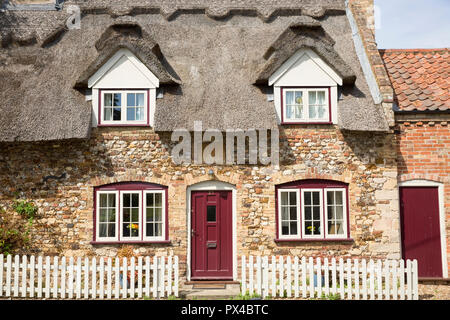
{"points": [[210, 290]]}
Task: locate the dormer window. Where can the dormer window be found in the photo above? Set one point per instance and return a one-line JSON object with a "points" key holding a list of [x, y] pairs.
{"points": [[305, 105], [305, 90], [123, 92], [123, 107]]}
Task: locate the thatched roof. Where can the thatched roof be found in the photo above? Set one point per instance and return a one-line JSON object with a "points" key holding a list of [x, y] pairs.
{"points": [[207, 55]]}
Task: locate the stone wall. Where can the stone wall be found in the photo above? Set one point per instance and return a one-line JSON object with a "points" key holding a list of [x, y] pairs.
{"points": [[60, 178], [423, 153]]}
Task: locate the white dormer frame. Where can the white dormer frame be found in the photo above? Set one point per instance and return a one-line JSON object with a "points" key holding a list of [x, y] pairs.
{"points": [[306, 70], [123, 72]]}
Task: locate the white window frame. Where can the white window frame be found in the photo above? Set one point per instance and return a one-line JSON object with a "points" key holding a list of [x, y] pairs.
{"points": [[344, 208], [321, 235], [305, 97], [97, 218], [163, 215], [139, 237], [123, 107], [280, 234]]}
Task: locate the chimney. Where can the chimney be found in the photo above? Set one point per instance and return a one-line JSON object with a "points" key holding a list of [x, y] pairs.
{"points": [[366, 7]]}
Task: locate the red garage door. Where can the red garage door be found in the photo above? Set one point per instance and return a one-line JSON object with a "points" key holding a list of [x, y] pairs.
{"points": [[421, 237]]}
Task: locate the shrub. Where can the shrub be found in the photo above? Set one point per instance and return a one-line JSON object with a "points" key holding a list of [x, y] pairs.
{"points": [[14, 236]]}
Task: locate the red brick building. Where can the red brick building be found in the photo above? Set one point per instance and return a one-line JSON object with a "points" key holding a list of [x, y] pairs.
{"points": [[421, 105]]}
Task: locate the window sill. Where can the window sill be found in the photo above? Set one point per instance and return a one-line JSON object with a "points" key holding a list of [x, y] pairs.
{"points": [[343, 240], [131, 242], [303, 123], [124, 125]]}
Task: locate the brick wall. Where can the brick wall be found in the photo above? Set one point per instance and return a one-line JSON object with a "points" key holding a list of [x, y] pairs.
{"points": [[423, 145]]}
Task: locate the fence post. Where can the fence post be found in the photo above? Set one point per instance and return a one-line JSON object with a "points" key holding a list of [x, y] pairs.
{"points": [[250, 275], [176, 276], [243, 280], [258, 276], [1, 275], [349, 279], [55, 276], [296, 277], [24, 276], [274, 276], [47, 277], [326, 276], [16, 275], [8, 275], [408, 279], [356, 262], [139, 277], [311, 278], [415, 280]]}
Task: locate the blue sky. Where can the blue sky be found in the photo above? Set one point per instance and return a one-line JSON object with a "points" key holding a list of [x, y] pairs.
{"points": [[413, 24]]}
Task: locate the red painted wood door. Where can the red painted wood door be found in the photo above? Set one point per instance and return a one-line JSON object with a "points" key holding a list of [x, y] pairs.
{"points": [[421, 239], [211, 235]]}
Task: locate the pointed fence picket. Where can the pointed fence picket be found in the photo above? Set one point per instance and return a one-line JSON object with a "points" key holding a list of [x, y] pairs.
{"points": [[352, 279], [60, 278]]}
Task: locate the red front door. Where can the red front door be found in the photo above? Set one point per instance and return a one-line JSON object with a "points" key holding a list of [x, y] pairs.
{"points": [[421, 237], [211, 235]]}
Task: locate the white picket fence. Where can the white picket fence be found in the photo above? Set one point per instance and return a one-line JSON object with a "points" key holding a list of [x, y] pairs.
{"points": [[353, 279], [95, 278]]}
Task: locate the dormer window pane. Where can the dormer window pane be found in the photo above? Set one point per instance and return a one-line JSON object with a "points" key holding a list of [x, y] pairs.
{"points": [[124, 107], [303, 105]]}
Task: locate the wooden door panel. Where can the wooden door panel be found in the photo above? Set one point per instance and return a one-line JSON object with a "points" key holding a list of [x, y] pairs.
{"points": [[421, 237]]}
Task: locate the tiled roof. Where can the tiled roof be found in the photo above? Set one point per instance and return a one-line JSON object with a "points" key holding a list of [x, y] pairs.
{"points": [[420, 78]]}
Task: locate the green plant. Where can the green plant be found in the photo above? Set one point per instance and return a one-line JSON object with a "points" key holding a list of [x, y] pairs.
{"points": [[14, 236], [26, 209], [246, 296], [331, 296]]}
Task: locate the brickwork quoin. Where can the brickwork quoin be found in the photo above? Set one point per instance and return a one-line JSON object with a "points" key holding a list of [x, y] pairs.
{"points": [[60, 178]]}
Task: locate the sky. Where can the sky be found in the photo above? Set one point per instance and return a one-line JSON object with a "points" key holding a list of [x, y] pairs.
{"points": [[410, 24]]}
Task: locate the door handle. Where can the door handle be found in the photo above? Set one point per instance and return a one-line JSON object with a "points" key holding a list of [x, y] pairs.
{"points": [[192, 233]]}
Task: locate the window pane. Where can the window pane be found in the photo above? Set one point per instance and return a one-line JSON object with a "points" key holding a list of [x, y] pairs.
{"points": [[211, 213], [117, 114], [149, 232], [126, 200], [298, 97], [308, 228], [126, 230], [158, 200], [293, 211], [134, 230], [117, 99], [330, 210], [131, 114], [290, 98], [140, 100], [107, 114], [126, 214], [135, 214], [158, 214], [339, 197], [140, 114], [150, 199], [330, 197], [111, 200], [292, 198], [321, 97], [316, 229], [111, 230], [316, 213], [339, 212], [313, 112], [103, 215], [307, 213], [285, 228], [108, 100], [312, 97], [284, 198], [135, 198], [150, 214], [112, 215], [284, 213], [102, 230], [158, 229], [131, 101], [307, 199], [293, 228], [103, 200], [316, 198]]}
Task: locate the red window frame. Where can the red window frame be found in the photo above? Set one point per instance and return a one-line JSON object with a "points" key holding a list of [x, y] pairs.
{"points": [[131, 186], [282, 89], [312, 184], [100, 111]]}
